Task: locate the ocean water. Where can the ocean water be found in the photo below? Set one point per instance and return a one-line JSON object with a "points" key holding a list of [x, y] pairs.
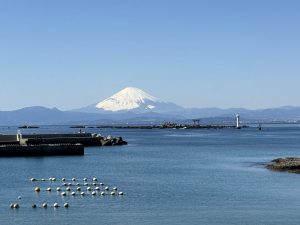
{"points": [[208, 177]]}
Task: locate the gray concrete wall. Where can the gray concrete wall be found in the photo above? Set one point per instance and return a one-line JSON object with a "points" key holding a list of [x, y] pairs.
{"points": [[41, 150]]}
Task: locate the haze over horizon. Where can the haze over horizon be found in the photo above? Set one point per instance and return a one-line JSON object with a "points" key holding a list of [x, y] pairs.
{"points": [[69, 54]]}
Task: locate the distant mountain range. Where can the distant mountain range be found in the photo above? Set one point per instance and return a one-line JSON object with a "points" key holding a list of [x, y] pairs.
{"points": [[134, 106], [38, 115]]}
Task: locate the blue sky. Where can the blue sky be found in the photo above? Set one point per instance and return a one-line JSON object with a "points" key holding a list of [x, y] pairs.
{"points": [[70, 54]]}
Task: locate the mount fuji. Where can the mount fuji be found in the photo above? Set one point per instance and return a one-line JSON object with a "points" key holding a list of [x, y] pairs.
{"points": [[135, 106], [132, 102], [132, 99]]}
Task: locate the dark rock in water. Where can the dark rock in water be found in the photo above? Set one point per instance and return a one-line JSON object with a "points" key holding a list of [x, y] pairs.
{"points": [[106, 142], [28, 127], [119, 141], [112, 141], [77, 126], [290, 164]]}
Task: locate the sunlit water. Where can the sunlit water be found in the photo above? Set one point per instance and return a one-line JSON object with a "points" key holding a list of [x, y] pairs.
{"points": [[209, 177]]}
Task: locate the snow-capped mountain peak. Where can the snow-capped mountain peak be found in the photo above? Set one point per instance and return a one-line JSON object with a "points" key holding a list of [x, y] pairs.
{"points": [[135, 100], [128, 99]]}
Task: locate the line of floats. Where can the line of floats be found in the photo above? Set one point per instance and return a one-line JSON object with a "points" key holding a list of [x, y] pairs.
{"points": [[93, 188]]}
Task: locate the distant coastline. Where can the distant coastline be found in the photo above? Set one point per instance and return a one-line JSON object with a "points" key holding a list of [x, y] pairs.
{"points": [[38, 115]]}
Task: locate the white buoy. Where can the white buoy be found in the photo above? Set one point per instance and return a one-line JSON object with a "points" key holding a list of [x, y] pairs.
{"points": [[63, 194], [112, 193], [44, 205], [101, 184], [97, 188], [78, 189], [84, 179], [48, 189], [82, 193], [55, 205], [37, 189], [102, 193], [68, 189], [73, 179], [78, 184], [69, 184], [63, 179], [64, 184], [58, 189], [43, 179], [121, 193], [94, 193], [88, 188], [11, 205], [95, 184], [19, 197], [50, 179], [66, 205], [33, 179], [85, 184], [106, 188], [94, 179], [73, 193], [115, 188], [16, 206], [53, 179]]}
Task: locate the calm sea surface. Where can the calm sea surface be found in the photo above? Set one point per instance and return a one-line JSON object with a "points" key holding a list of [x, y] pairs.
{"points": [[209, 177]]}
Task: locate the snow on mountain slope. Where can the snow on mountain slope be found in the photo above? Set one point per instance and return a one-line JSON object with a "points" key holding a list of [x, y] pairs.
{"points": [[135, 99]]}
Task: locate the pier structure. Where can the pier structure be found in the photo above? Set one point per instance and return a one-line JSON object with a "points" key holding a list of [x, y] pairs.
{"points": [[41, 150], [168, 126], [53, 144], [193, 124], [86, 139]]}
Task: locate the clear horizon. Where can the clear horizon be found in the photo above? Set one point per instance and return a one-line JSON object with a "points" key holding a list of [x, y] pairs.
{"points": [[198, 54]]}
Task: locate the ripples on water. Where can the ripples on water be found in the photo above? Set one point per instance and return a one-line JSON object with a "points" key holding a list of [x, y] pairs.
{"points": [[206, 177]]}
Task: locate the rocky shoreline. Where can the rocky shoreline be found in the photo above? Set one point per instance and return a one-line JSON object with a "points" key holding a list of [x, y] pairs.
{"points": [[290, 164]]}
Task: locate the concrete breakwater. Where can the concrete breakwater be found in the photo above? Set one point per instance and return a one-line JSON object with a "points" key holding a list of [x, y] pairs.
{"points": [[86, 139], [171, 126], [41, 150], [53, 144]]}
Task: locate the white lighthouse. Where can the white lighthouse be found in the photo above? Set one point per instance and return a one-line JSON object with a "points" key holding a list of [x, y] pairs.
{"points": [[238, 121], [19, 136]]}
